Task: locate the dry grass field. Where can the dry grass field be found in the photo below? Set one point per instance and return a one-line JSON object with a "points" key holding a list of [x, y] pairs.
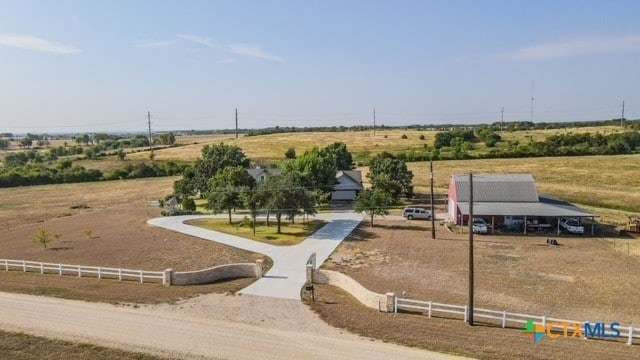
{"points": [[115, 213], [266, 149], [583, 279]]}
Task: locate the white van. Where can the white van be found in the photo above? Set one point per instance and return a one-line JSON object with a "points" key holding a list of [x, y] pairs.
{"points": [[416, 213]]}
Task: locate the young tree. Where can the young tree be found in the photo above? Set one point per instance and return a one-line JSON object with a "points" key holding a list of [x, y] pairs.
{"points": [[42, 236], [290, 153], [317, 169], [341, 156], [285, 194], [373, 202], [225, 189]]}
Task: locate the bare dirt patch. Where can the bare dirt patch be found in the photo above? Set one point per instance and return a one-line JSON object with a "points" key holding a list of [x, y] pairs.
{"points": [[583, 279], [106, 227]]}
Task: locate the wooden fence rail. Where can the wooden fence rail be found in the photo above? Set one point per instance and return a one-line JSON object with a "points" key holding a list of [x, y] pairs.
{"points": [[505, 318], [80, 271]]}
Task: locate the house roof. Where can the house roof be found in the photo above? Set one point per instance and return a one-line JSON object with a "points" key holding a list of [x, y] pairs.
{"points": [[498, 188], [355, 175], [547, 206], [255, 173]]}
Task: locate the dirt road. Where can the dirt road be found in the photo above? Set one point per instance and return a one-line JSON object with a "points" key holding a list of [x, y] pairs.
{"points": [[182, 331]]}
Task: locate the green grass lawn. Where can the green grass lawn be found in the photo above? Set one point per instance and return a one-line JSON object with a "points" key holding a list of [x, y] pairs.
{"points": [[291, 234]]}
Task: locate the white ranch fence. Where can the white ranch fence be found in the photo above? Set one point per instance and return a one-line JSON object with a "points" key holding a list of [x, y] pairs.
{"points": [[504, 318], [86, 271]]}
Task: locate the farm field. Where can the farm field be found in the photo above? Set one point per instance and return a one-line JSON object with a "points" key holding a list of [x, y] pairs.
{"points": [[108, 228], [583, 279]]}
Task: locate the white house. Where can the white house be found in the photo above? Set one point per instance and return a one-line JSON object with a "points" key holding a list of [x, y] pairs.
{"points": [[349, 184]]}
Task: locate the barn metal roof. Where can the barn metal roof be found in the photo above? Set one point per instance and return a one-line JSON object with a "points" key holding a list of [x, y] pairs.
{"points": [[502, 188], [547, 206]]}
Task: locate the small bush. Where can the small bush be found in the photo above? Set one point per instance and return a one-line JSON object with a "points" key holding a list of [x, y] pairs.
{"points": [[403, 136], [188, 204]]}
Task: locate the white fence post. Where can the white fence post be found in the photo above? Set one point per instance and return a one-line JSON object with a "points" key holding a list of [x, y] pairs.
{"points": [[60, 269], [6, 264], [395, 304], [141, 277], [120, 274], [24, 266], [630, 340], [544, 320], [79, 271], [41, 268], [466, 312], [429, 309], [504, 319], [99, 273]]}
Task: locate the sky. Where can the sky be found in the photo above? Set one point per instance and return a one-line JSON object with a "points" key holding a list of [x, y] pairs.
{"points": [[87, 66]]}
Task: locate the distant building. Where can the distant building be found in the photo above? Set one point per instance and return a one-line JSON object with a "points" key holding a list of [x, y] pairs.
{"points": [[509, 200]]}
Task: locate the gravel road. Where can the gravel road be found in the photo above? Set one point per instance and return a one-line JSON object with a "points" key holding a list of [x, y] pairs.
{"points": [[208, 327]]}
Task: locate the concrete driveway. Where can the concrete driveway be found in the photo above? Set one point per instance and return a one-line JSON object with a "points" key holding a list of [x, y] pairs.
{"points": [[287, 276]]}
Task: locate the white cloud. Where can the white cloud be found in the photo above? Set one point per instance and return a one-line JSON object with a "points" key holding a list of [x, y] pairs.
{"points": [[226, 61], [157, 44], [254, 51], [563, 49], [28, 42], [197, 40]]}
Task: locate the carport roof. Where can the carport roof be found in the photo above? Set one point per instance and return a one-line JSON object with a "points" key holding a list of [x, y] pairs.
{"points": [[547, 206]]}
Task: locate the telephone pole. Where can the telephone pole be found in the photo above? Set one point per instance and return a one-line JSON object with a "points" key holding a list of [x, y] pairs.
{"points": [[374, 121], [622, 118], [470, 318], [531, 116], [502, 119], [433, 211], [236, 123], [150, 138]]}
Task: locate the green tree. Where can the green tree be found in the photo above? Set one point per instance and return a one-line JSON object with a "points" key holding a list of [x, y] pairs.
{"points": [[43, 237], [214, 159], [4, 144], [121, 154], [189, 204], [317, 169], [395, 168], [168, 139], [285, 194], [373, 203], [226, 187], [26, 142], [342, 157], [290, 153]]}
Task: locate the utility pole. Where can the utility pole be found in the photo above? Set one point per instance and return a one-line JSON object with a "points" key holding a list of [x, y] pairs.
{"points": [[236, 123], [470, 318], [433, 211], [502, 119], [374, 121], [150, 138], [531, 116], [622, 118]]}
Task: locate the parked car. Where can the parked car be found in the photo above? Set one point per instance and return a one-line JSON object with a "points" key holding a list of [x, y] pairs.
{"points": [[416, 213], [480, 226], [572, 226]]}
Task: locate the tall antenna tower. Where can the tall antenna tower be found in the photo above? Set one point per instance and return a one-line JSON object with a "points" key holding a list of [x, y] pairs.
{"points": [[531, 116]]}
